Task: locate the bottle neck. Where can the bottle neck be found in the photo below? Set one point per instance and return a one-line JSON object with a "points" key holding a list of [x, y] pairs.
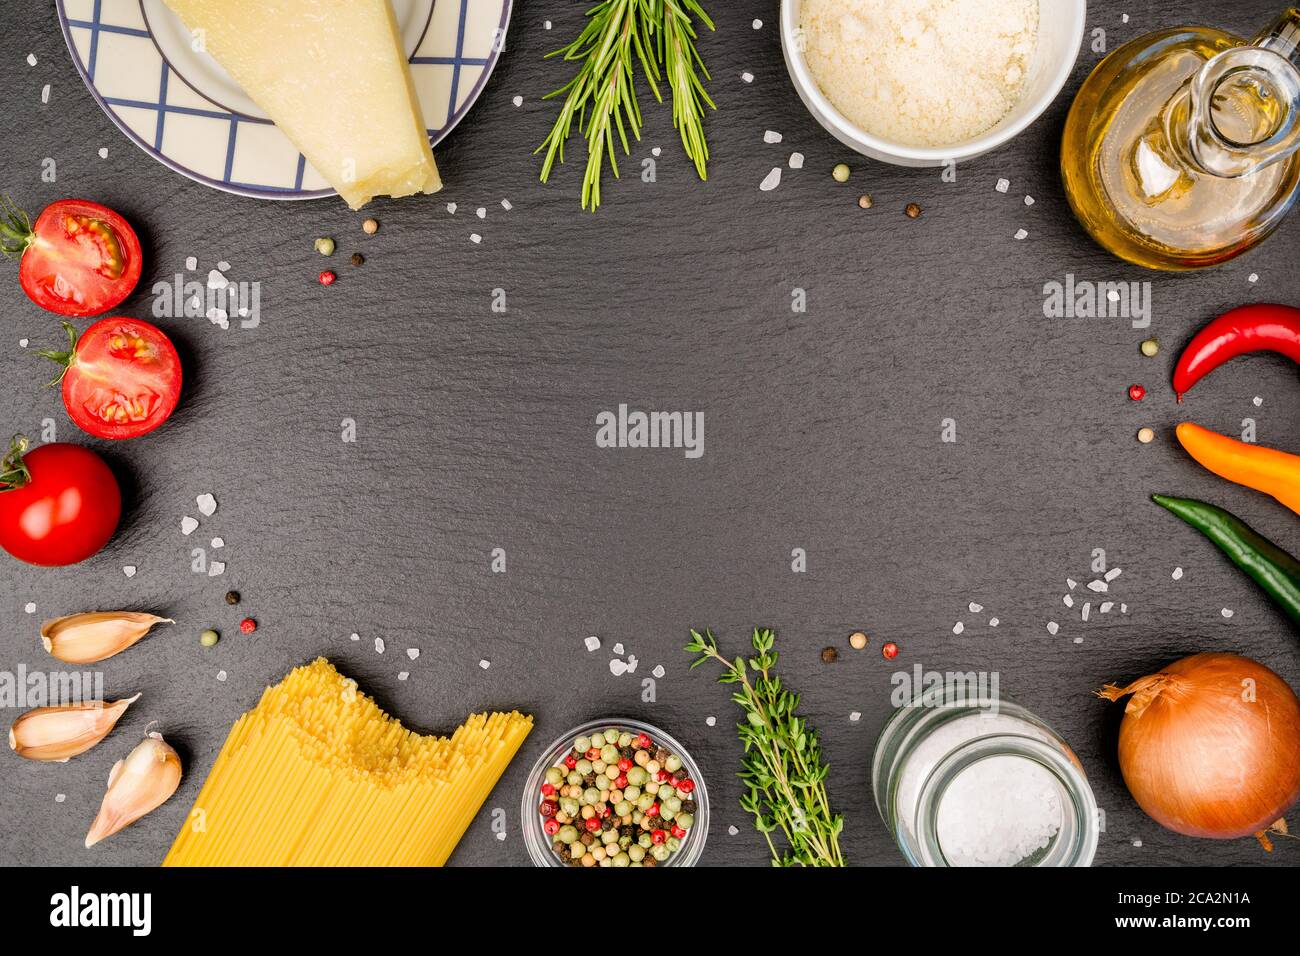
{"points": [[1242, 111]]}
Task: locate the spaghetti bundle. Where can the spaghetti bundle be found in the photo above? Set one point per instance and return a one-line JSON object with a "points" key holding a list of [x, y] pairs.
{"points": [[318, 775]]}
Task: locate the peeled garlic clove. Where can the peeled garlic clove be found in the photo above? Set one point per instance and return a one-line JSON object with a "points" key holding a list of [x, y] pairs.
{"points": [[139, 784], [57, 733], [96, 636]]}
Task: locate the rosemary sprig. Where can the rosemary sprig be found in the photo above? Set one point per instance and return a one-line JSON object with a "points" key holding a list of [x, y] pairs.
{"points": [[601, 97], [782, 766]]}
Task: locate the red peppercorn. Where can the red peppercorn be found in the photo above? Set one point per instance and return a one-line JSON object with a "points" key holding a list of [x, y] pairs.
{"points": [[592, 824], [686, 786], [248, 625], [571, 761], [547, 809], [1137, 392], [593, 754], [621, 782], [658, 836], [652, 810], [606, 812], [548, 789], [889, 651], [678, 831], [551, 826], [327, 277], [644, 742], [625, 765], [662, 775]]}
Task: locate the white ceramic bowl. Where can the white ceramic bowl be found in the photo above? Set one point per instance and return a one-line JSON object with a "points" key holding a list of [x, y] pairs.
{"points": [[1060, 34]]}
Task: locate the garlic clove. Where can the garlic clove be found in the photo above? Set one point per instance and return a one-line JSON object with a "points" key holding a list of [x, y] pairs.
{"points": [[141, 782], [95, 636], [58, 733]]}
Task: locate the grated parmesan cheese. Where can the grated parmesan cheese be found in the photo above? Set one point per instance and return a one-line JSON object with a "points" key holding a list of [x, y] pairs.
{"points": [[921, 72]]}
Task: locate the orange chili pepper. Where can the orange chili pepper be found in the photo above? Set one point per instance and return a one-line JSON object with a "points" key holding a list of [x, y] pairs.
{"points": [[1265, 469]]}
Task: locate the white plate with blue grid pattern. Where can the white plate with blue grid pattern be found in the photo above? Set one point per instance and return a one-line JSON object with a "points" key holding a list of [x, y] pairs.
{"points": [[182, 108]]}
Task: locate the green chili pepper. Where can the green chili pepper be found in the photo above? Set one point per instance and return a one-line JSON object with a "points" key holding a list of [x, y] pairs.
{"points": [[1273, 569]]}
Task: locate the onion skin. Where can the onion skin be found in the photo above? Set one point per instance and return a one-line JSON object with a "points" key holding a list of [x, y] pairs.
{"points": [[1202, 758]]}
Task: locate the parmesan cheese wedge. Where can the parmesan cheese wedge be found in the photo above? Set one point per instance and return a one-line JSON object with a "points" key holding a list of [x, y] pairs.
{"points": [[333, 77]]}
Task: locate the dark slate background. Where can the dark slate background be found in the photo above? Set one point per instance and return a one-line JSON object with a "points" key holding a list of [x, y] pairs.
{"points": [[476, 430]]}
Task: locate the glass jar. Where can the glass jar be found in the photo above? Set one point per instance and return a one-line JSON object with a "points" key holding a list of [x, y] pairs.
{"points": [[539, 843], [982, 782]]}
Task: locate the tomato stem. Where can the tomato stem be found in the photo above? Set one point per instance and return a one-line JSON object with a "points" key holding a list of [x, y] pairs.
{"points": [[15, 474], [64, 359], [16, 232]]}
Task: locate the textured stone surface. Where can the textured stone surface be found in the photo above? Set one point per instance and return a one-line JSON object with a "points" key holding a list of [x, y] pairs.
{"points": [[475, 430]]}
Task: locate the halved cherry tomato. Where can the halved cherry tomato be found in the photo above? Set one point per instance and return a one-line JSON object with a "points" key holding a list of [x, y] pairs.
{"points": [[59, 503], [121, 379], [79, 258]]}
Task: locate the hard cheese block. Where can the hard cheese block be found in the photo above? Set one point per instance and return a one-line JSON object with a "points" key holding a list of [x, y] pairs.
{"points": [[333, 77]]}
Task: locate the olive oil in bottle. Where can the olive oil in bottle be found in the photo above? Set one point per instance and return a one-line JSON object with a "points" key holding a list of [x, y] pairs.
{"points": [[1180, 149]]}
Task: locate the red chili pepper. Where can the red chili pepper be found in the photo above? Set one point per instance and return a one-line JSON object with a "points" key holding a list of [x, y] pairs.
{"points": [[1251, 328]]}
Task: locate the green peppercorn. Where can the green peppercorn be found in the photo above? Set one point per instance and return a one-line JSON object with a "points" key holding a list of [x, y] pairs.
{"points": [[209, 638], [568, 834], [840, 173], [661, 852], [591, 796], [685, 821], [673, 763], [637, 852], [554, 776], [325, 246], [582, 744], [1150, 347]]}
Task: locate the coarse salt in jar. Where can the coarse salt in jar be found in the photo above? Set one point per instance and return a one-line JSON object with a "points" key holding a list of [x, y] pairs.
{"points": [[977, 781]]}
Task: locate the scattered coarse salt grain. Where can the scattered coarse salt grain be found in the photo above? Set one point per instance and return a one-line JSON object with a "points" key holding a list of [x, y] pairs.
{"points": [[796, 160], [451, 208], [656, 151], [1087, 609], [129, 570], [103, 152], [31, 607], [592, 643], [191, 263], [993, 622], [1003, 185], [617, 649], [31, 59], [771, 180], [1078, 640], [1106, 606], [658, 671], [481, 212], [403, 675], [710, 721], [379, 645], [223, 265], [221, 675], [1068, 601], [216, 569], [747, 77], [866, 56], [546, 25], [632, 663], [507, 205], [485, 663], [1253, 277], [218, 542], [60, 797], [771, 136], [1257, 401], [1227, 612], [1137, 843], [1052, 627], [475, 238], [45, 93], [958, 627], [412, 652], [732, 831], [22, 343], [757, 24], [207, 505], [854, 716], [617, 667], [1021, 234], [1071, 583], [1029, 200], [974, 608], [1123, 609], [1098, 586], [518, 100], [1112, 574], [354, 636]]}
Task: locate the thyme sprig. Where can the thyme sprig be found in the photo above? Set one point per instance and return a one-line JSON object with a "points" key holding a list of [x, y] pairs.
{"points": [[601, 97], [782, 766]]}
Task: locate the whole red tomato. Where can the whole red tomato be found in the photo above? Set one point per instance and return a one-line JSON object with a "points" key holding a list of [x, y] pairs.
{"points": [[78, 258], [121, 378], [59, 503]]}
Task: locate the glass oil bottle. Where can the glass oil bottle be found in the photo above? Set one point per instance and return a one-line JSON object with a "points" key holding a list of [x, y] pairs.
{"points": [[1180, 150]]}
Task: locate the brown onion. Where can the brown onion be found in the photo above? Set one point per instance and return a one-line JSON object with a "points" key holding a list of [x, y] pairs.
{"points": [[1210, 745]]}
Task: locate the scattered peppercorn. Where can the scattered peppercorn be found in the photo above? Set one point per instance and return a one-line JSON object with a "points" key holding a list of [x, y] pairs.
{"points": [[864, 201], [1137, 392], [1146, 435], [889, 651], [357, 258], [857, 640], [840, 173], [327, 277], [209, 638], [830, 655], [1149, 347], [913, 211], [370, 227], [325, 246], [232, 597], [248, 625]]}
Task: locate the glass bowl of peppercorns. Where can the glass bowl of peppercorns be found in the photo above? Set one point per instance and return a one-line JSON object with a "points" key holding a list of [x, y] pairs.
{"points": [[615, 793]]}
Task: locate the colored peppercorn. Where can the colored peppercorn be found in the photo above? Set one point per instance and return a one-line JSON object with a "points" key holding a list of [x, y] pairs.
{"points": [[1137, 392], [232, 597], [830, 655], [248, 625], [358, 258], [857, 640], [209, 638], [840, 173], [913, 211], [1273, 569], [327, 277], [889, 651]]}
